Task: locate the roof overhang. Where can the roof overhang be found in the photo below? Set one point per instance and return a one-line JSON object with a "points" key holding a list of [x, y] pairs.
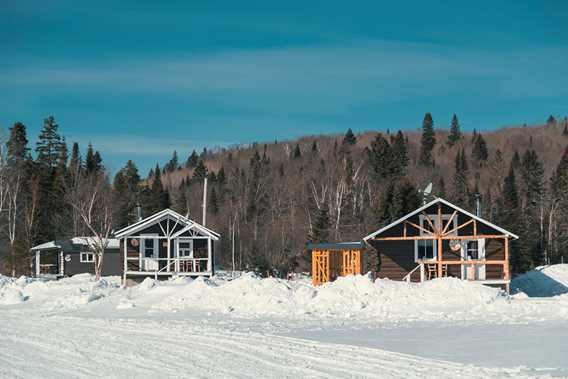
{"points": [[445, 202], [162, 215]]}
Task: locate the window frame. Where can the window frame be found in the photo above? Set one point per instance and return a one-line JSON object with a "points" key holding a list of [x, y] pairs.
{"points": [[423, 221], [86, 260]]}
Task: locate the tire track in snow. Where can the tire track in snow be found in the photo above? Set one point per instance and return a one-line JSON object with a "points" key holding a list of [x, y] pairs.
{"points": [[85, 347]]}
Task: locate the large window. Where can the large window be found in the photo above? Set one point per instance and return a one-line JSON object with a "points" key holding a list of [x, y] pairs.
{"points": [[428, 249], [184, 249], [87, 258]]}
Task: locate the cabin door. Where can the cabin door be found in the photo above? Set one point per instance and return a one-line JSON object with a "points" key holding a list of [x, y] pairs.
{"points": [[473, 250], [149, 253]]}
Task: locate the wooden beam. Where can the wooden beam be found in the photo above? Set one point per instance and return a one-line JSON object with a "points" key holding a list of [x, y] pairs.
{"points": [[506, 272], [459, 227], [474, 227], [449, 222], [432, 237], [434, 229], [420, 228], [474, 262]]}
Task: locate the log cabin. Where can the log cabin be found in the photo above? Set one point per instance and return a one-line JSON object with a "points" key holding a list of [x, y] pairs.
{"points": [[67, 257], [441, 239], [164, 245]]}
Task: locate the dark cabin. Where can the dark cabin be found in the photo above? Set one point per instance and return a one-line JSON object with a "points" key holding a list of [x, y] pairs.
{"points": [[68, 257], [166, 244], [441, 239]]}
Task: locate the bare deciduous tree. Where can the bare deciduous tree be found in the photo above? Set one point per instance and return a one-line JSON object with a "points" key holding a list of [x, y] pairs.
{"points": [[92, 200]]}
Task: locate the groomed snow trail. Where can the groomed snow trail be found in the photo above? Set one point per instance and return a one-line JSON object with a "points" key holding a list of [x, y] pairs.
{"points": [[71, 347]]}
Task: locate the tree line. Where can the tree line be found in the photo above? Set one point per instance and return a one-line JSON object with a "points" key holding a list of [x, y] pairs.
{"points": [[268, 200]]}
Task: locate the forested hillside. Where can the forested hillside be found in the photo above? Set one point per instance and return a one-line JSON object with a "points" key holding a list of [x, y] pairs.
{"points": [[268, 199]]}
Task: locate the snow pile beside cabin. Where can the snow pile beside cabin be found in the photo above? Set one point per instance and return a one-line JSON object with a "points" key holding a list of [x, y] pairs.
{"points": [[544, 281], [346, 298], [67, 293]]}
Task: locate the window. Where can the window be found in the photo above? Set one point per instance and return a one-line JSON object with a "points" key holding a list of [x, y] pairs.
{"points": [[472, 250], [149, 248], [184, 249], [426, 249], [87, 258]]}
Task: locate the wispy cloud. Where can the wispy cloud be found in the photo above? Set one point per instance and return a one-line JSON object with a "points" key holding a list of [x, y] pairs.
{"points": [[318, 78]]}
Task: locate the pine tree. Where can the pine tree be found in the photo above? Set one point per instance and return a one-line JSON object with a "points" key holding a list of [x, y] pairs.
{"points": [[321, 226], [551, 121], [381, 159], [399, 154], [516, 161], [441, 187], [479, 151], [314, 147], [297, 152], [428, 141], [221, 178], [349, 138], [192, 160], [47, 147], [461, 194], [455, 133], [90, 160], [200, 171], [17, 146], [75, 163], [127, 192], [565, 131], [173, 164]]}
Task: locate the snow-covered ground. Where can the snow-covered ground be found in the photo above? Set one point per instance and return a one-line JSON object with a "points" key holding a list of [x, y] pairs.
{"points": [[247, 327]]}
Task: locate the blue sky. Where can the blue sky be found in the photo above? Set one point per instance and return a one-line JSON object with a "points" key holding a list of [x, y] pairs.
{"points": [[140, 79]]}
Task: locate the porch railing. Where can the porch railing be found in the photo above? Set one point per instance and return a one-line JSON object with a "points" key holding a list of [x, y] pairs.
{"points": [[182, 264]]}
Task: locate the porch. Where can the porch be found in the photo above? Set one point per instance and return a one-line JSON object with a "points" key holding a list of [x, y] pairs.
{"points": [[164, 257], [48, 263]]}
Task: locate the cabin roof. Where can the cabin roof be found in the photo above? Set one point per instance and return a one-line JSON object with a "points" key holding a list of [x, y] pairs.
{"points": [[157, 217], [435, 201], [70, 245], [335, 246]]}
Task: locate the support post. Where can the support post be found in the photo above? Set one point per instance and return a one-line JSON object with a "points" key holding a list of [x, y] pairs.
{"points": [[61, 264], [439, 235], [125, 265], [209, 256], [506, 263], [169, 250], [37, 263]]}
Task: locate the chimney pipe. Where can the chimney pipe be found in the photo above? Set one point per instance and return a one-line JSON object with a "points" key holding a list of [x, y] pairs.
{"points": [[138, 212], [478, 205]]}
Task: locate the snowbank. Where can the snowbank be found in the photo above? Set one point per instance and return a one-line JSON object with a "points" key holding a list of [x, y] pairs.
{"points": [[544, 281], [348, 297], [66, 293]]}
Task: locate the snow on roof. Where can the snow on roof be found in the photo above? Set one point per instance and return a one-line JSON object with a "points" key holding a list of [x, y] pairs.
{"points": [[428, 205], [65, 244]]}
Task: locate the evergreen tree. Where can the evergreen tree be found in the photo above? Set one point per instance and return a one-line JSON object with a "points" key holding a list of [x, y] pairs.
{"points": [[200, 171], [551, 121], [91, 164], [48, 145], [349, 138], [173, 164], [221, 178], [314, 147], [461, 194], [192, 160], [381, 159], [297, 152], [75, 164], [565, 131], [321, 226], [428, 141], [455, 133], [441, 187], [479, 151], [516, 161], [127, 192], [17, 146], [399, 154]]}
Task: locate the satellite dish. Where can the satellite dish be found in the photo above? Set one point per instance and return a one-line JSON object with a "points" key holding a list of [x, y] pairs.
{"points": [[428, 189]]}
